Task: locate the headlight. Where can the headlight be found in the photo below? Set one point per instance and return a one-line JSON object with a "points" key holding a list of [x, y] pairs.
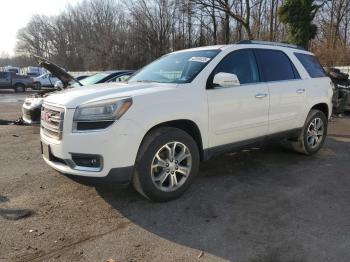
{"points": [[104, 110]]}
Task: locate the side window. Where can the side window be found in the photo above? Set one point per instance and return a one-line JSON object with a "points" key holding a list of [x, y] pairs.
{"points": [[2, 75], [311, 65], [276, 66], [242, 63]]}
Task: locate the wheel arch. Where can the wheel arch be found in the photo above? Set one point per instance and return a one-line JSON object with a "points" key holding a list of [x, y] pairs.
{"points": [[19, 84], [323, 107], [189, 126]]}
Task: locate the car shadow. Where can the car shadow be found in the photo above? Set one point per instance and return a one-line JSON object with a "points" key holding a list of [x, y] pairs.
{"points": [[243, 206]]}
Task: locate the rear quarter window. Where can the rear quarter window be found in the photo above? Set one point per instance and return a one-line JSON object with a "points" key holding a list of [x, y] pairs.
{"points": [[311, 65], [276, 65]]}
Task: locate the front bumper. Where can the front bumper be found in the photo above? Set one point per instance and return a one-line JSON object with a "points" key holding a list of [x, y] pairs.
{"points": [[117, 145], [121, 175]]}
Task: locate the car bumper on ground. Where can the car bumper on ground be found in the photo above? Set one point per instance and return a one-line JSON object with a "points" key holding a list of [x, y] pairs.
{"points": [[31, 115]]}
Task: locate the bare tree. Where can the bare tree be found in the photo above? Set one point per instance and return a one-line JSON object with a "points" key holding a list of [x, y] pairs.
{"points": [[106, 34]]}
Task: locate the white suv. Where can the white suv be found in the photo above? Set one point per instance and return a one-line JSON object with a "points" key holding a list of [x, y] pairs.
{"points": [[154, 130]]}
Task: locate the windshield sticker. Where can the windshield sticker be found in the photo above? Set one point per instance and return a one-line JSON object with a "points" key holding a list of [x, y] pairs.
{"points": [[200, 59]]}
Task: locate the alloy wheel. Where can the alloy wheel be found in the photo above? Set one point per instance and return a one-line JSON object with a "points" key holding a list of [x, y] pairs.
{"points": [[171, 166], [315, 132]]}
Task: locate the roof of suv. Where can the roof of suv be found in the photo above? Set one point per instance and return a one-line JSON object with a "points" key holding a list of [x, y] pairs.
{"points": [[252, 44]]}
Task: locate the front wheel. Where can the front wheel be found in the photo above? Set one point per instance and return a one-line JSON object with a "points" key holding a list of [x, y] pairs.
{"points": [[313, 134], [166, 164]]}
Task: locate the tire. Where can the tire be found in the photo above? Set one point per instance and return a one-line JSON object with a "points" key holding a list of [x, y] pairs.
{"points": [[19, 88], [304, 143], [37, 86], [149, 170]]}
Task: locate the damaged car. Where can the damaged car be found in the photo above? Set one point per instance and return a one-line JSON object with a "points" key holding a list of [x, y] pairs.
{"points": [[31, 108], [341, 96]]}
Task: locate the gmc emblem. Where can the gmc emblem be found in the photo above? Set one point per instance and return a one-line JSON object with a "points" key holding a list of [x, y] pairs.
{"points": [[45, 116]]}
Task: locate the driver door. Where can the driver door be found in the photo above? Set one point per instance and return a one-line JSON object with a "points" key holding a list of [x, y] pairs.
{"points": [[238, 113]]}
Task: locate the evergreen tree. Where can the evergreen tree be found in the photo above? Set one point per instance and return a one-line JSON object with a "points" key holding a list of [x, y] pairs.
{"points": [[298, 15]]}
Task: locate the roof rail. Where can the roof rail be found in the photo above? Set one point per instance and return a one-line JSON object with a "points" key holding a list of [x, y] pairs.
{"points": [[258, 42]]}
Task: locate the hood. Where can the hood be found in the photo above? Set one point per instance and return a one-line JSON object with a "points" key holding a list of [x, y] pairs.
{"points": [[59, 72], [73, 97]]}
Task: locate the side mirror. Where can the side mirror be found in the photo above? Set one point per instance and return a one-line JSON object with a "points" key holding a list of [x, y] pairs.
{"points": [[226, 80]]}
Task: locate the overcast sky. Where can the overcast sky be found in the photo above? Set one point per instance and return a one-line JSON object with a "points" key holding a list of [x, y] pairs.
{"points": [[15, 14]]}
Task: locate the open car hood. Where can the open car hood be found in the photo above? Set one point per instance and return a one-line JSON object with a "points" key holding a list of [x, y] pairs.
{"points": [[59, 72]]}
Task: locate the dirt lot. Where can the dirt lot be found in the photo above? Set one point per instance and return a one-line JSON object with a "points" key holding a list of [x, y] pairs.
{"points": [[258, 205]]}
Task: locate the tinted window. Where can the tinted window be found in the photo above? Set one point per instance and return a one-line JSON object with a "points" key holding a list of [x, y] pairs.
{"points": [[243, 64], [3, 75], [276, 65], [311, 65]]}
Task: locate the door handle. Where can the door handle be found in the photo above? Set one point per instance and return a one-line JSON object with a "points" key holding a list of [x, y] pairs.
{"points": [[260, 95], [301, 90]]}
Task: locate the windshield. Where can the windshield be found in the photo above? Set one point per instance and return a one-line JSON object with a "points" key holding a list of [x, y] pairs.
{"points": [[91, 80], [180, 67]]}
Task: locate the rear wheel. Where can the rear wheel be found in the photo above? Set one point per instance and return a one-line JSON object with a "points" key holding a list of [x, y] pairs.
{"points": [[19, 88], [166, 164], [313, 134]]}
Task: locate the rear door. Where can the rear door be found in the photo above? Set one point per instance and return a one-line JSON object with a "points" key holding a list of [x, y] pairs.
{"points": [[240, 112], [286, 89]]}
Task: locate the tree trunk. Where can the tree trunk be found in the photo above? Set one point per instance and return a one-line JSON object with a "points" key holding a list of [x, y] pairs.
{"points": [[272, 8]]}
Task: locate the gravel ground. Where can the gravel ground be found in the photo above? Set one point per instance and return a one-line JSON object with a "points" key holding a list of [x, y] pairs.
{"points": [[258, 205]]}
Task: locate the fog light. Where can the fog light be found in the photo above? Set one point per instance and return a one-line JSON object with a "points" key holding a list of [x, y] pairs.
{"points": [[84, 160]]}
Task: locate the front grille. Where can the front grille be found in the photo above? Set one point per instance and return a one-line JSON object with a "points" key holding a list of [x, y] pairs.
{"points": [[52, 121]]}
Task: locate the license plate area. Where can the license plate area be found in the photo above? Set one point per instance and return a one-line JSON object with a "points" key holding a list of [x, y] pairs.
{"points": [[45, 150]]}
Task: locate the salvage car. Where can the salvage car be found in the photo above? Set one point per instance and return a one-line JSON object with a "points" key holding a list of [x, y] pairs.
{"points": [[19, 83], [155, 129], [31, 108], [341, 96]]}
